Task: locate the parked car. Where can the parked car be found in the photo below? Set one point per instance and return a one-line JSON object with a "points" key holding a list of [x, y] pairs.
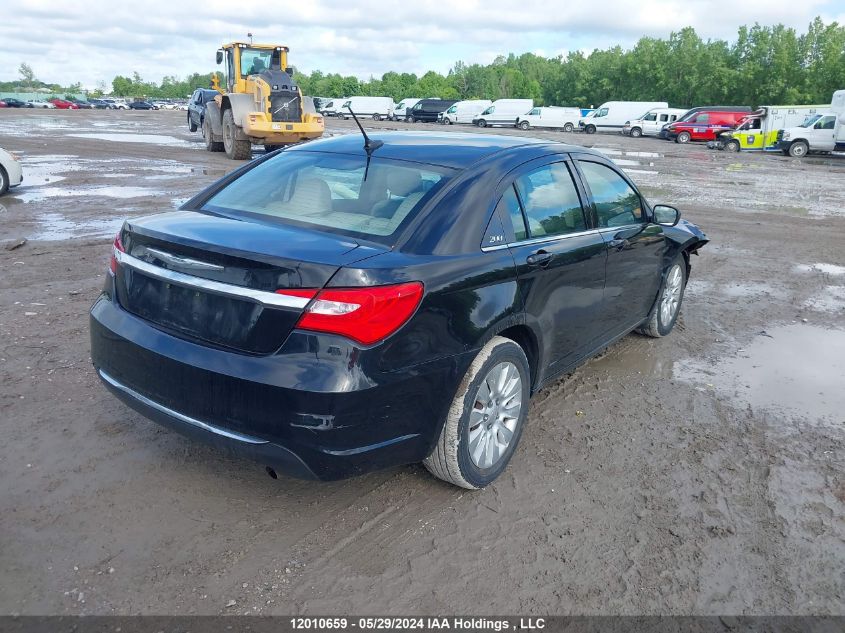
{"points": [[64, 104], [426, 110], [11, 102], [612, 115], [82, 105], [376, 108], [196, 107], [338, 308], [652, 122], [116, 104], [10, 171], [142, 105], [704, 125], [463, 111], [565, 119], [823, 132], [99, 104], [3, 104], [664, 131], [40, 104], [403, 109], [503, 112]]}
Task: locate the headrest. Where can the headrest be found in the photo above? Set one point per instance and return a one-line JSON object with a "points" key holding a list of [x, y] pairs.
{"points": [[401, 182]]}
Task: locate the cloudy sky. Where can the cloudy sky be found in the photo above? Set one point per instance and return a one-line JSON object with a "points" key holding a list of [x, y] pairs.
{"points": [[66, 41]]}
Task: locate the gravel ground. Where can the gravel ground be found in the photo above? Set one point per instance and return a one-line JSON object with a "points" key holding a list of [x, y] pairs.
{"points": [[697, 474]]}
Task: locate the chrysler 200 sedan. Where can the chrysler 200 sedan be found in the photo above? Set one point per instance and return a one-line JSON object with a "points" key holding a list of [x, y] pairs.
{"points": [[335, 307]]}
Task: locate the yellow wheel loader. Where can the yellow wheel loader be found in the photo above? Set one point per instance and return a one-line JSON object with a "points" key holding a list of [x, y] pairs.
{"points": [[260, 104]]}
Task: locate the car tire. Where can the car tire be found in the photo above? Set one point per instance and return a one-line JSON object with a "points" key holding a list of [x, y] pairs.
{"points": [[683, 137], [4, 181], [590, 129], [474, 456], [235, 149], [412, 120], [732, 146], [799, 149], [210, 144], [568, 127], [667, 306], [636, 132], [191, 125], [481, 123], [376, 117], [524, 125]]}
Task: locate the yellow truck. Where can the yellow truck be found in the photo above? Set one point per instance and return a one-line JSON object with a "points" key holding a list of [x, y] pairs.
{"points": [[759, 130], [260, 103]]}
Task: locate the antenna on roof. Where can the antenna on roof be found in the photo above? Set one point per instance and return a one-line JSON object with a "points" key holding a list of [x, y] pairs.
{"points": [[249, 35], [369, 144]]}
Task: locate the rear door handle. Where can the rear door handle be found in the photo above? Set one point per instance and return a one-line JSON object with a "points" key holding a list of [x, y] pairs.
{"points": [[540, 258]]}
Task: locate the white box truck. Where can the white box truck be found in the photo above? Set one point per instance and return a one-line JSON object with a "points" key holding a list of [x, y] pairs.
{"points": [[652, 122], [403, 109], [377, 108], [759, 130], [503, 112], [823, 132], [611, 116], [464, 111], [554, 117]]}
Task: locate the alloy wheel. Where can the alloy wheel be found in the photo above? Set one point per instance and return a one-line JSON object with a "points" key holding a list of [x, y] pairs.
{"points": [[671, 294], [494, 415]]}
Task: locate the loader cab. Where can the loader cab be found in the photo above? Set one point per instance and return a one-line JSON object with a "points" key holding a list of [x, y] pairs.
{"points": [[243, 60]]}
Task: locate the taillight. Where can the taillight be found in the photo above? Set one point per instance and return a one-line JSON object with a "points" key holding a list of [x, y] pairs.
{"points": [[117, 246], [366, 315]]}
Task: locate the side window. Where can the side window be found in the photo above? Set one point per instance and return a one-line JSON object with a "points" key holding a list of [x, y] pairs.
{"points": [[509, 207], [617, 204], [664, 117], [651, 116], [704, 117], [551, 202]]}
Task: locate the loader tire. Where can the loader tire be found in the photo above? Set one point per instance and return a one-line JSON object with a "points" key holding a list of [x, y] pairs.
{"points": [[235, 149], [210, 144]]}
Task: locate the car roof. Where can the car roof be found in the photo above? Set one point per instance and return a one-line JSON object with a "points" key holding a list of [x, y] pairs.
{"points": [[456, 150]]}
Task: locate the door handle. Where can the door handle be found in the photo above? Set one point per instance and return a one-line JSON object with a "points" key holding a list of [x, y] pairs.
{"points": [[617, 243], [540, 258]]}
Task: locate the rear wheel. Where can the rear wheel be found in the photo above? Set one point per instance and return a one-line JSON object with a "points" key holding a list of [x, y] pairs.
{"points": [[412, 120], [4, 181], [666, 308], [524, 125], [235, 149], [485, 420], [636, 132], [683, 137], [799, 149], [210, 144], [568, 127], [376, 117]]}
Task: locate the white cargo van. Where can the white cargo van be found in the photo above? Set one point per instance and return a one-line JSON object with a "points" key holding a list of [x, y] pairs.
{"points": [[652, 122], [403, 109], [611, 116], [464, 111], [559, 118], [330, 107], [503, 112], [376, 107], [823, 132]]}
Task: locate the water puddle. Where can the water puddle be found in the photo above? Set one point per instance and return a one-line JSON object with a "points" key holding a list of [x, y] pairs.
{"points": [[829, 299], [827, 269], [154, 139], [105, 191], [796, 369], [55, 226]]}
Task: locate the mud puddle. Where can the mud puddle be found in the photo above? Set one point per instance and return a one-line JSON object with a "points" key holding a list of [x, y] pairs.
{"points": [[154, 139], [796, 369], [55, 226], [105, 191]]}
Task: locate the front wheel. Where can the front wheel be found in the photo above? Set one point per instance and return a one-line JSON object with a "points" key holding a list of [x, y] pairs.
{"points": [[412, 120], [481, 123], [636, 132], [191, 125], [484, 423], [666, 308], [235, 149], [732, 146], [799, 149], [4, 181], [683, 137], [590, 129]]}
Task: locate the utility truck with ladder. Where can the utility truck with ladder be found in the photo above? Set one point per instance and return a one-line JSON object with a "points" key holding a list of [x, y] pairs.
{"points": [[260, 103]]}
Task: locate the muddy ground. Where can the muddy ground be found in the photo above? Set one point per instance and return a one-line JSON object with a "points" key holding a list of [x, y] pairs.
{"points": [[701, 473]]}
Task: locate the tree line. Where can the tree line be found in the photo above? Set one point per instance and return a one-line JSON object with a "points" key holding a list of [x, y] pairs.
{"points": [[764, 65]]}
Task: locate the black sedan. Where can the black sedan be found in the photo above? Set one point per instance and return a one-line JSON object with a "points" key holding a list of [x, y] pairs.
{"points": [[142, 105], [336, 307], [196, 107], [11, 102]]}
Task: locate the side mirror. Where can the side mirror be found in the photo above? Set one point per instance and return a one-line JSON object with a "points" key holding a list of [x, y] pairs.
{"points": [[219, 57], [289, 70], [664, 215]]}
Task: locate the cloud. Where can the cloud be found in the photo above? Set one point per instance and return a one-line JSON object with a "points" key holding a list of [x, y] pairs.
{"points": [[93, 41]]}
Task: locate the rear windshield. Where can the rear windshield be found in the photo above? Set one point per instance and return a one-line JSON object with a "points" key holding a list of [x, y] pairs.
{"points": [[330, 192]]}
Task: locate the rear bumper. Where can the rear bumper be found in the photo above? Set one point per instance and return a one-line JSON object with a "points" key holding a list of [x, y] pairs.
{"points": [[313, 410]]}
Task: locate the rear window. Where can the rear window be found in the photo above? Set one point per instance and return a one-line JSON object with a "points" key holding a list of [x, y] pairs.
{"points": [[338, 193]]}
